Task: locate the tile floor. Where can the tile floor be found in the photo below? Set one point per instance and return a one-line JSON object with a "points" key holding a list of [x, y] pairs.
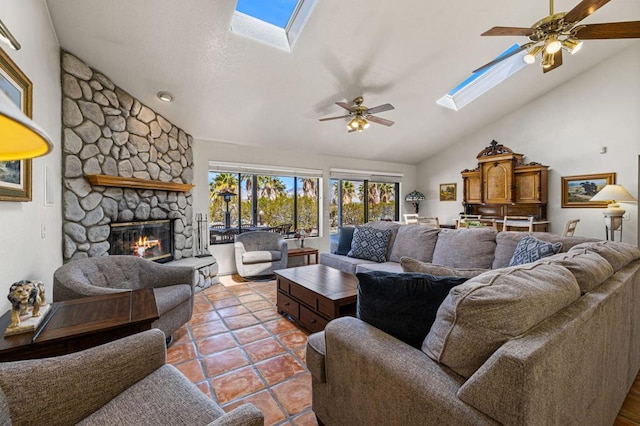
{"points": [[238, 349]]}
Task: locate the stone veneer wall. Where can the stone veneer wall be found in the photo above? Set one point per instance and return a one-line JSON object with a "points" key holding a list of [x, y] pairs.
{"points": [[107, 131]]}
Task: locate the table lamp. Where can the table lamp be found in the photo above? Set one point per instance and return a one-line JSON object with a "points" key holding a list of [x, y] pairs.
{"points": [[415, 197], [613, 213]]}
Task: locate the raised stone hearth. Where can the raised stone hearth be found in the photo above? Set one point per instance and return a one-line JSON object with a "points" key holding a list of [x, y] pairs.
{"points": [[106, 131]]}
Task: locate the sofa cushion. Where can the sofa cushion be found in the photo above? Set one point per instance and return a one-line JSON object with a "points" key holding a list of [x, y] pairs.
{"points": [[482, 314], [412, 265], [345, 236], [260, 256], [370, 244], [171, 296], [384, 225], [343, 263], [617, 254], [589, 268], [530, 249], [465, 248], [416, 241], [384, 267], [402, 305]]}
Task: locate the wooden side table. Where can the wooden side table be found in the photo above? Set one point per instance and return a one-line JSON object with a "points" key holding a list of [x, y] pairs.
{"points": [[78, 324], [304, 251]]}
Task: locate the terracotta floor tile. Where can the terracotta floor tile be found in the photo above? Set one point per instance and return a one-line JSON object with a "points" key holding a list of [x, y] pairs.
{"points": [[181, 335], [251, 334], [280, 326], [208, 329], [263, 402], [204, 317], [180, 353], [205, 387], [280, 368], [225, 303], [302, 355], [220, 295], [263, 349], [259, 305], [294, 394], [192, 369], [241, 321], [253, 297], [215, 344], [237, 384], [306, 419], [232, 311], [216, 288], [202, 308], [223, 362], [268, 314], [294, 339]]}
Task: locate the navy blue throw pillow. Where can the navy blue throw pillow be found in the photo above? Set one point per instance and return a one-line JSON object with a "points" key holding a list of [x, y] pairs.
{"points": [[344, 240], [402, 305]]}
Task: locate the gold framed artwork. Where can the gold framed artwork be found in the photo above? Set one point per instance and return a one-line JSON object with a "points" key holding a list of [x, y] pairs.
{"points": [[577, 191], [448, 191], [15, 176]]}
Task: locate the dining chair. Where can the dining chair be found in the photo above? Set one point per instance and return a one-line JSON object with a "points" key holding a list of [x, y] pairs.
{"points": [[463, 218], [432, 222], [518, 223], [570, 227], [410, 218]]}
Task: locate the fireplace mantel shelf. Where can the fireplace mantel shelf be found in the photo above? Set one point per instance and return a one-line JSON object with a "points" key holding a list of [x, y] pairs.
{"points": [[125, 182]]}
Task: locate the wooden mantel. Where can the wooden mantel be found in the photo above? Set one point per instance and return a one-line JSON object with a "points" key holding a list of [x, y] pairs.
{"points": [[125, 182]]}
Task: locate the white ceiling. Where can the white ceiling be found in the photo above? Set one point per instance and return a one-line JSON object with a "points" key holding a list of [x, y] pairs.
{"points": [[233, 89]]}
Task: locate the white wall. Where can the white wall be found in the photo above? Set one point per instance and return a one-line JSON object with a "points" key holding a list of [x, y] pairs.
{"points": [[565, 130], [205, 151], [23, 253]]}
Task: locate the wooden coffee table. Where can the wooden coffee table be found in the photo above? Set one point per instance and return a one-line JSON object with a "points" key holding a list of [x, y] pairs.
{"points": [[78, 324], [313, 295]]}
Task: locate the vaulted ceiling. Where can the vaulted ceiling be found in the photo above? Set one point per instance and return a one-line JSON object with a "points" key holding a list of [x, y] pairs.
{"points": [[409, 53]]}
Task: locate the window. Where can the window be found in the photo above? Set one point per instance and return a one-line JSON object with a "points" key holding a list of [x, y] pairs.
{"points": [[356, 201], [279, 201]]}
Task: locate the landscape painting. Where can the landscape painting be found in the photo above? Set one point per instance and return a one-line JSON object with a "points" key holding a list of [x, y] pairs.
{"points": [[577, 191], [448, 191]]}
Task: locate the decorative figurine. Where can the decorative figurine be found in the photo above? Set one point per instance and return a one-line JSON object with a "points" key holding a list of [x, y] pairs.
{"points": [[25, 294]]}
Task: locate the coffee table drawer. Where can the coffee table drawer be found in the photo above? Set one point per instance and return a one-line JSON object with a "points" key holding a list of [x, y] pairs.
{"points": [[288, 305], [311, 320], [304, 295]]}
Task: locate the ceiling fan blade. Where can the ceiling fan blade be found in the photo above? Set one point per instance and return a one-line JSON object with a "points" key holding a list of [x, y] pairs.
{"points": [[557, 61], [345, 106], [584, 9], [508, 31], [611, 30], [379, 120], [334, 118], [502, 58], [351, 130], [380, 108]]}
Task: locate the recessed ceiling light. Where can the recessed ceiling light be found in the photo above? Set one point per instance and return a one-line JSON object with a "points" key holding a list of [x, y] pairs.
{"points": [[165, 96]]}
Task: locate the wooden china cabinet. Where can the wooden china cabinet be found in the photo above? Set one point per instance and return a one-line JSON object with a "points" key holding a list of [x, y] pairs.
{"points": [[503, 185]]}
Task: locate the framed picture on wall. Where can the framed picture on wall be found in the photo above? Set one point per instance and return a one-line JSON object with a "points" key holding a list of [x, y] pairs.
{"points": [[15, 176], [577, 191], [448, 191]]}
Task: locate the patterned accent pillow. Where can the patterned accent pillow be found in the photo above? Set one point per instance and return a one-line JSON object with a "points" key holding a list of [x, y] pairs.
{"points": [[530, 249], [370, 244]]}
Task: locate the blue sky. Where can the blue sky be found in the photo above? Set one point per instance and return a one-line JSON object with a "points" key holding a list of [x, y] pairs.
{"points": [[276, 12]]}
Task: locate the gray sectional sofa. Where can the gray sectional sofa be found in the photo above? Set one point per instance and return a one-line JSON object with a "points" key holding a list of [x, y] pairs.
{"points": [[556, 341]]}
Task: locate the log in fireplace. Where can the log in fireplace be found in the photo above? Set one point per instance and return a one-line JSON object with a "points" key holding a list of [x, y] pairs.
{"points": [[152, 240]]}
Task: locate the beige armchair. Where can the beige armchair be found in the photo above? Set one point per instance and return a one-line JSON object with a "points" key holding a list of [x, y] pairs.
{"points": [[173, 286], [259, 253], [124, 382]]}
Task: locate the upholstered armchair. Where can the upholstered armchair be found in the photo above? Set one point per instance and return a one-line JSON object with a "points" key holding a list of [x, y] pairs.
{"points": [[173, 286], [124, 382], [259, 253]]}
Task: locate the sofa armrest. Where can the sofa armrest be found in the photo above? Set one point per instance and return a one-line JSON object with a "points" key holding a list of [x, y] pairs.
{"points": [[245, 415], [66, 389], [157, 275], [283, 247], [373, 378]]}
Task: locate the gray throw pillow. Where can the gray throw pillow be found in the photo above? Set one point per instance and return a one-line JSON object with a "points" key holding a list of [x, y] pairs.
{"points": [[370, 244], [530, 249], [344, 240]]}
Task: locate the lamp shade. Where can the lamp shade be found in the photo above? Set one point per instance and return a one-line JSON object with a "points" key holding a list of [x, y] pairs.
{"points": [[414, 196], [20, 137], [613, 193]]}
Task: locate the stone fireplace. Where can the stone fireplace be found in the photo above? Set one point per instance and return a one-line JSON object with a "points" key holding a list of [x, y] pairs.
{"points": [[109, 134], [151, 239]]}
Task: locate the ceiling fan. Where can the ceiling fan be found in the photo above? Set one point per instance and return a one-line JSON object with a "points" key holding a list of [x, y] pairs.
{"points": [[560, 31], [361, 115]]}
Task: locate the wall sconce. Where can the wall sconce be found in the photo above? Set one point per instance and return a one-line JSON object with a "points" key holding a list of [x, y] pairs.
{"points": [[613, 213], [415, 197]]}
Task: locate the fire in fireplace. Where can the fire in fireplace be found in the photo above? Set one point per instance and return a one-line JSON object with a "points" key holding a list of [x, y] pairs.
{"points": [[152, 240]]}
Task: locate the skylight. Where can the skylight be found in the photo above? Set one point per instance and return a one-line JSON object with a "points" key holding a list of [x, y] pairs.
{"points": [[482, 81], [275, 22]]}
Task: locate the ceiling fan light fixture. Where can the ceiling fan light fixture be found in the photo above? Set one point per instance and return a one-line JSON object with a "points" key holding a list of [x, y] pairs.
{"points": [[365, 123], [573, 45], [552, 45], [530, 57], [547, 59]]}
